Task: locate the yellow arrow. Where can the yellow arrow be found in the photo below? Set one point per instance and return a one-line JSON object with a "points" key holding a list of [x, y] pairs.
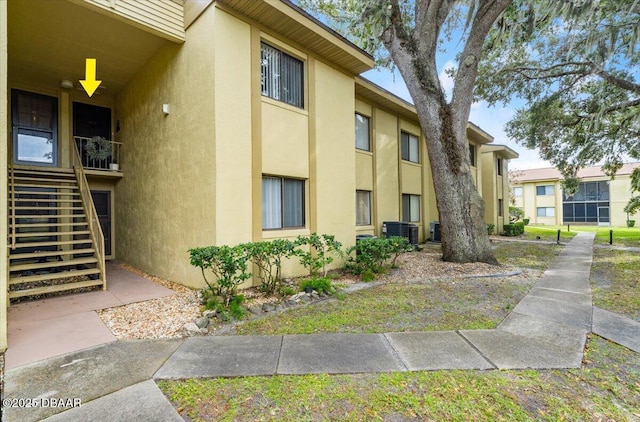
{"points": [[89, 83]]}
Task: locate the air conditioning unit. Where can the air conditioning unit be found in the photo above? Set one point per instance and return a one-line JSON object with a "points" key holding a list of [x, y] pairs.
{"points": [[434, 229], [395, 228]]}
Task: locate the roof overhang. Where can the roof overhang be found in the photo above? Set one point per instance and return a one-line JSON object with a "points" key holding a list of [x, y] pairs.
{"points": [[289, 20], [477, 134], [501, 150], [384, 98]]}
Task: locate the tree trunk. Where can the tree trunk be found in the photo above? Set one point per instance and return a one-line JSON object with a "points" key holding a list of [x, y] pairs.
{"points": [[461, 208]]}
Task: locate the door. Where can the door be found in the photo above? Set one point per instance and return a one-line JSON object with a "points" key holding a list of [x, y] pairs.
{"points": [[35, 128], [102, 203], [89, 121]]}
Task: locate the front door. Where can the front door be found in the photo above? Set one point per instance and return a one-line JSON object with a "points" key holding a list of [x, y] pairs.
{"points": [[34, 119]]}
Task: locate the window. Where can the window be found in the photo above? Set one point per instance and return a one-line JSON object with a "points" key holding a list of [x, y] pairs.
{"points": [[410, 207], [363, 207], [546, 212], [362, 132], [499, 166], [282, 203], [410, 147], [499, 207], [517, 191], [282, 76], [544, 190], [472, 155]]}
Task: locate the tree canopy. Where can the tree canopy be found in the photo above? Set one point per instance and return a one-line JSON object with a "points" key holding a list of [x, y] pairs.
{"points": [[578, 71]]}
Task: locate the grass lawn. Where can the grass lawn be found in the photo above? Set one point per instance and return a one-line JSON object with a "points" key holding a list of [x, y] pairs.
{"points": [[622, 236], [615, 281], [606, 388]]}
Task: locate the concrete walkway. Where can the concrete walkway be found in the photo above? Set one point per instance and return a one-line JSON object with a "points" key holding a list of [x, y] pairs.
{"points": [[547, 329]]}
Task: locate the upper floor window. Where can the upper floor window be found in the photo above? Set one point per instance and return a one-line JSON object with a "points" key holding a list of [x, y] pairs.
{"points": [[544, 190], [410, 147], [517, 191], [282, 76], [472, 155], [362, 132], [499, 166]]}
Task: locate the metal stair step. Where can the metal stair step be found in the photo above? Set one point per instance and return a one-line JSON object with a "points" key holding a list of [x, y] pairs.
{"points": [[40, 225], [52, 276], [46, 201], [32, 193], [45, 254], [57, 288], [52, 243], [56, 216], [53, 264], [50, 234], [20, 180], [26, 185]]}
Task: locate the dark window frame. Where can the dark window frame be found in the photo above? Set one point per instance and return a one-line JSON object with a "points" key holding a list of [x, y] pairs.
{"points": [[405, 147]]}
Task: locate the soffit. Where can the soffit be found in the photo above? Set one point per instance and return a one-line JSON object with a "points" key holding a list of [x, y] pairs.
{"points": [[50, 40], [382, 98], [291, 22]]}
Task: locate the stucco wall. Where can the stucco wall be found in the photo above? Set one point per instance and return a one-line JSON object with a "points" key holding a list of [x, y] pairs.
{"points": [[4, 133], [166, 200], [387, 198], [620, 192]]}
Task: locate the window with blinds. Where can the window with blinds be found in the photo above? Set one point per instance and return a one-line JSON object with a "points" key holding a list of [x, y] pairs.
{"points": [[281, 76]]}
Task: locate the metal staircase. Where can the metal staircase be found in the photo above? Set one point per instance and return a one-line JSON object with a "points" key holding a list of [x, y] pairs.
{"points": [[54, 237]]}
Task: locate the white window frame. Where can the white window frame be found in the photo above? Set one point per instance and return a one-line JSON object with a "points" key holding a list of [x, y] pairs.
{"points": [[548, 190], [363, 132], [413, 214], [275, 201], [410, 147], [546, 212], [363, 207]]}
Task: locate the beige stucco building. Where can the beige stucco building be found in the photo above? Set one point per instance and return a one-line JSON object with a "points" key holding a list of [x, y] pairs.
{"points": [[495, 184], [221, 122], [599, 200]]}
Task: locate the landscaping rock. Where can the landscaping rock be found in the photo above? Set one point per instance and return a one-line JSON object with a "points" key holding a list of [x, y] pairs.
{"points": [[209, 314], [255, 310], [202, 322], [192, 329]]}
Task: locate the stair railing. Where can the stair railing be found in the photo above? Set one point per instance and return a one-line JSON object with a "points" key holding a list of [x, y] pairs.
{"points": [[92, 215], [13, 207]]}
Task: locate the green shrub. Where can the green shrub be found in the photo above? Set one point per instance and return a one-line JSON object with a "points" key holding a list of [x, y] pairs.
{"points": [[236, 309], [320, 285], [526, 221], [491, 228], [228, 266], [631, 223], [319, 255], [519, 227], [515, 213], [515, 229], [268, 257], [374, 255]]}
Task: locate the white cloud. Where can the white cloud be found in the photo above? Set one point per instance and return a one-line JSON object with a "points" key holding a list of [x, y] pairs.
{"points": [[446, 81]]}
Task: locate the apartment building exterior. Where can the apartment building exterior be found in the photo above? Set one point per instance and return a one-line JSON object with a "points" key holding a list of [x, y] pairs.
{"points": [[600, 200], [229, 121]]}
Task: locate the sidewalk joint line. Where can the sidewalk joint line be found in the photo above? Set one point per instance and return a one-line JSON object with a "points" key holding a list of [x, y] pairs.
{"points": [[395, 353], [279, 355], [473, 346]]}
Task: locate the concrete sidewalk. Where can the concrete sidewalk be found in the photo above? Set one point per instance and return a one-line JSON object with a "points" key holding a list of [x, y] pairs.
{"points": [[547, 329]]}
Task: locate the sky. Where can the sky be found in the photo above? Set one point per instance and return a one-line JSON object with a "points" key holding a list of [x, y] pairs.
{"points": [[490, 119]]}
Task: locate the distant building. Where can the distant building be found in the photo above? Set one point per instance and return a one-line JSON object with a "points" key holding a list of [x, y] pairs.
{"points": [[599, 200]]}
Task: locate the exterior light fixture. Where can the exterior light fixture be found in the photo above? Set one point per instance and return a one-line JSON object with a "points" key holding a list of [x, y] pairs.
{"points": [[66, 84], [165, 109]]}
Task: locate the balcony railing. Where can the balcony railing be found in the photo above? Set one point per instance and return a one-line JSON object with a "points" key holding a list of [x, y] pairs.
{"points": [[110, 163]]}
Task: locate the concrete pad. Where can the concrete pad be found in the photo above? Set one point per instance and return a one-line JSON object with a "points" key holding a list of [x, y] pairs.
{"points": [[41, 310], [208, 357], [573, 338], [561, 295], [87, 375], [128, 287], [614, 327], [510, 351], [139, 402], [436, 350], [337, 354], [33, 341], [556, 311]]}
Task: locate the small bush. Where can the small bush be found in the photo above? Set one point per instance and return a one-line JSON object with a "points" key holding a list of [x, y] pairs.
{"points": [[491, 228], [227, 264], [320, 285], [515, 229], [268, 257], [236, 309], [321, 249], [374, 255], [631, 223]]}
